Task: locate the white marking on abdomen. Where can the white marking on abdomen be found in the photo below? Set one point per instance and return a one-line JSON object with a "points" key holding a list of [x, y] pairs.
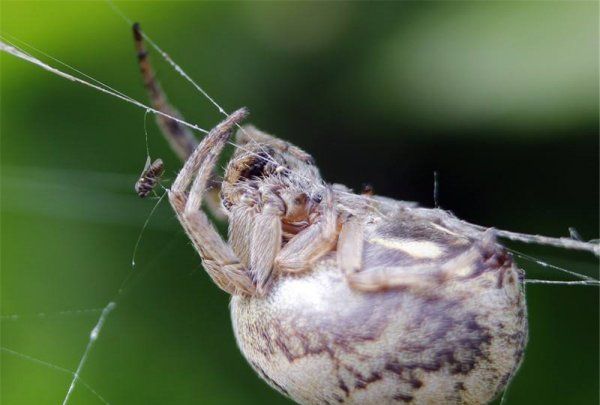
{"points": [[420, 249]]}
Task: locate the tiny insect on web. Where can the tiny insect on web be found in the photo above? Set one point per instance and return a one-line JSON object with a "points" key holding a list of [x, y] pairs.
{"points": [[593, 247]]}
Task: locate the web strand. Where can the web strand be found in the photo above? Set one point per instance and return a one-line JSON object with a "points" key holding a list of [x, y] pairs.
{"points": [[139, 239], [15, 51], [146, 134], [594, 283], [54, 367], [46, 315], [93, 337], [98, 82], [561, 242], [549, 265]]}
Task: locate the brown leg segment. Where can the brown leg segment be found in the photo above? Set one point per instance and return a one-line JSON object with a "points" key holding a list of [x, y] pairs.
{"points": [[180, 137], [350, 246]]}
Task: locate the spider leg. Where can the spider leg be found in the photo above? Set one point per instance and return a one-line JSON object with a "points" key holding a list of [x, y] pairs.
{"points": [[349, 258], [255, 236], [265, 244], [180, 138], [420, 276], [350, 246], [218, 259], [385, 278]]}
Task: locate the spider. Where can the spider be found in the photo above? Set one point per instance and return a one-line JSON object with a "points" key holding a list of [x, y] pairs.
{"points": [[340, 297]]}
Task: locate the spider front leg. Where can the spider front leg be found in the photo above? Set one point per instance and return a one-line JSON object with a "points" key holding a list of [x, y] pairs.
{"points": [[179, 137], [255, 235], [265, 243], [218, 259]]}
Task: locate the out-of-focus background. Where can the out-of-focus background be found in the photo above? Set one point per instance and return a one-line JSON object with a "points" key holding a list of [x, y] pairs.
{"points": [[500, 98]]}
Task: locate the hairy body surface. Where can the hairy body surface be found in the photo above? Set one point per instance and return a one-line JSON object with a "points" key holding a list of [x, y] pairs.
{"points": [[340, 297]]}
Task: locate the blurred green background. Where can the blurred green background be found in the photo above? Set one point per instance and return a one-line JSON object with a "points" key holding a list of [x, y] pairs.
{"points": [[501, 98]]}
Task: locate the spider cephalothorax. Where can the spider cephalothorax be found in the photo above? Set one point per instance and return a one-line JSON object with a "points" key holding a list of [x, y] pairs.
{"points": [[266, 173]]}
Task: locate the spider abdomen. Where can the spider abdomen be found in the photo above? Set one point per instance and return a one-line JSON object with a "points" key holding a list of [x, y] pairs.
{"points": [[317, 340]]}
